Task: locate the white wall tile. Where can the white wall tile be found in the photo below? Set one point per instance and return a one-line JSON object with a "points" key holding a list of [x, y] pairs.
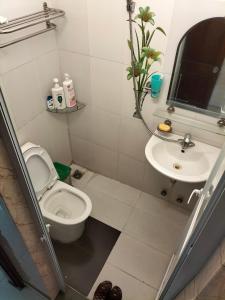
{"points": [[72, 31], [82, 152], [105, 129], [130, 171], [106, 84], [105, 161], [21, 89], [106, 29], [80, 123], [78, 67], [50, 131], [133, 138], [48, 68]]}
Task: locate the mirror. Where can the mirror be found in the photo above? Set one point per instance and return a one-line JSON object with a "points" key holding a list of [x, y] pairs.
{"points": [[198, 78]]}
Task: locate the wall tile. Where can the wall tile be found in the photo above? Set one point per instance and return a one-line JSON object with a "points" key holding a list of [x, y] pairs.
{"points": [[106, 85], [82, 152], [106, 36], [130, 171], [42, 131], [78, 67], [105, 161], [72, 32], [133, 138], [105, 129], [46, 75], [22, 93]]}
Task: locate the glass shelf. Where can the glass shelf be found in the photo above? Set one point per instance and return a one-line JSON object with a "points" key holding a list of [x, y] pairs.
{"points": [[79, 106]]}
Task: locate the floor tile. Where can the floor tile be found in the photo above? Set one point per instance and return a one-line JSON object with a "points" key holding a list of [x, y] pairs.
{"points": [[120, 191], [107, 209], [70, 294], [151, 203], [132, 288], [154, 230], [82, 261], [139, 260]]}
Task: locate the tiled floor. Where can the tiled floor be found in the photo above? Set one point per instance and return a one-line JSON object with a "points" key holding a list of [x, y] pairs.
{"points": [[82, 260], [150, 230]]}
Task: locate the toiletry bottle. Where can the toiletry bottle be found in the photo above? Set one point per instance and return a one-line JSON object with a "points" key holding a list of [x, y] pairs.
{"points": [[69, 91], [58, 95], [50, 103]]}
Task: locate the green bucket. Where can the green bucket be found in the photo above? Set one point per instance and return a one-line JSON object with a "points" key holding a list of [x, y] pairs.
{"points": [[62, 170]]}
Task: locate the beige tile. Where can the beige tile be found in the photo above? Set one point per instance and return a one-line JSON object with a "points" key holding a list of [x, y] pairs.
{"points": [[105, 161], [25, 94], [68, 35], [107, 209], [78, 66], [102, 25], [106, 85], [105, 129], [155, 230], [138, 260], [115, 189], [133, 138], [152, 204], [130, 171], [132, 288]]}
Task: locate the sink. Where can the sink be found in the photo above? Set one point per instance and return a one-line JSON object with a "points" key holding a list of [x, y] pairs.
{"points": [[192, 165]]}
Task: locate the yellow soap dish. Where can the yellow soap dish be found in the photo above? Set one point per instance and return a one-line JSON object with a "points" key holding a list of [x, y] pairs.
{"points": [[165, 128]]}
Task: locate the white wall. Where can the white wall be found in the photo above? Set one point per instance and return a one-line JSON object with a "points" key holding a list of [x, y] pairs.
{"points": [[26, 72], [93, 49]]}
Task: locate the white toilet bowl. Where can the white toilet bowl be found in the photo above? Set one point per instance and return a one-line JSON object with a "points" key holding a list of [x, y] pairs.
{"points": [[64, 208]]}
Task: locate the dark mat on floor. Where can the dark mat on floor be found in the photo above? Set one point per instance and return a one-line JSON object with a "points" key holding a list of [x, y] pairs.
{"points": [[82, 261]]}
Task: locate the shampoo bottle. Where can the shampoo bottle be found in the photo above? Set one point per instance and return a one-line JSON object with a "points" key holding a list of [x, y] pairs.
{"points": [[69, 91], [58, 95]]}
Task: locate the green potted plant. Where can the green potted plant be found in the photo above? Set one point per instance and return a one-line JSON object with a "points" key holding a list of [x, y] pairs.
{"points": [[143, 55]]}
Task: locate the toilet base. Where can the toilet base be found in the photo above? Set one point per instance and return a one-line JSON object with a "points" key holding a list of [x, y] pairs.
{"points": [[65, 233]]}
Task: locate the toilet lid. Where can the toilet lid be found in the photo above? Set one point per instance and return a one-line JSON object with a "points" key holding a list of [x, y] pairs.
{"points": [[40, 167]]}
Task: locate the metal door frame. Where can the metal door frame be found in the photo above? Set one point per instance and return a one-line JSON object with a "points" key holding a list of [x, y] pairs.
{"points": [[9, 137]]}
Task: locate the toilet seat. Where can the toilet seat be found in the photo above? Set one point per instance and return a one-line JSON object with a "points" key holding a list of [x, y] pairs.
{"points": [[40, 167], [76, 205], [59, 202]]}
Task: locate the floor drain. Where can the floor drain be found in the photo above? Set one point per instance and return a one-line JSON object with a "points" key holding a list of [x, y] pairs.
{"points": [[177, 166]]}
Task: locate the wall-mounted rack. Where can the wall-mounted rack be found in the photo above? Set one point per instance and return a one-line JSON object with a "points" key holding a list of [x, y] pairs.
{"points": [[79, 106], [33, 19]]}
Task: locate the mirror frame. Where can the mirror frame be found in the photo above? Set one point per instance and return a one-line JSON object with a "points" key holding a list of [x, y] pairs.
{"points": [[170, 102]]}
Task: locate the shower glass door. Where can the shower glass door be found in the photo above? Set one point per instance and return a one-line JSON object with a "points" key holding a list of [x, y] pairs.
{"points": [[203, 200]]}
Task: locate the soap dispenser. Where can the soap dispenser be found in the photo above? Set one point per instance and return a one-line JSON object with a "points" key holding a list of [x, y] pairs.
{"points": [[58, 95], [69, 91]]}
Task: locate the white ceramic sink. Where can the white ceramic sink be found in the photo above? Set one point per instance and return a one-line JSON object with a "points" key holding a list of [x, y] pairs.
{"points": [[194, 165]]}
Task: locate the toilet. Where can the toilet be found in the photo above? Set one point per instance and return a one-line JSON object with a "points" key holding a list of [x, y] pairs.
{"points": [[64, 208]]}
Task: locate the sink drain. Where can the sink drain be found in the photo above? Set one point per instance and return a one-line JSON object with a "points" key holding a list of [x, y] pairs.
{"points": [[177, 166]]}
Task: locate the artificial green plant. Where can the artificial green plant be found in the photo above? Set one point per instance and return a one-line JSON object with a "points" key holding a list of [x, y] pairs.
{"points": [[144, 56]]}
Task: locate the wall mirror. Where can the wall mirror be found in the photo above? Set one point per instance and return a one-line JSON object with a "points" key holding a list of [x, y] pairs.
{"points": [[198, 78]]}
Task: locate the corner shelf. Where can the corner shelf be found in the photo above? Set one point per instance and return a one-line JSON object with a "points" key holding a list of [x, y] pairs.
{"points": [[79, 106]]}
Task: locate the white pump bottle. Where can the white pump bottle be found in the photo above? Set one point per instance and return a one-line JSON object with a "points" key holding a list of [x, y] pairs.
{"points": [[58, 95], [69, 91]]}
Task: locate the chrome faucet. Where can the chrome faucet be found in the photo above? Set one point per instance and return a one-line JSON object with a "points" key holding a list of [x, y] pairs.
{"points": [[186, 142]]}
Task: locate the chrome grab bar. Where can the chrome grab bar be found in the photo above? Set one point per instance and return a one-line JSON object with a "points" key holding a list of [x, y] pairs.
{"points": [[194, 192], [33, 19]]}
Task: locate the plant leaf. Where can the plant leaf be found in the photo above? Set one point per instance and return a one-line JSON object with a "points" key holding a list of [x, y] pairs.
{"points": [[129, 44], [161, 30]]}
